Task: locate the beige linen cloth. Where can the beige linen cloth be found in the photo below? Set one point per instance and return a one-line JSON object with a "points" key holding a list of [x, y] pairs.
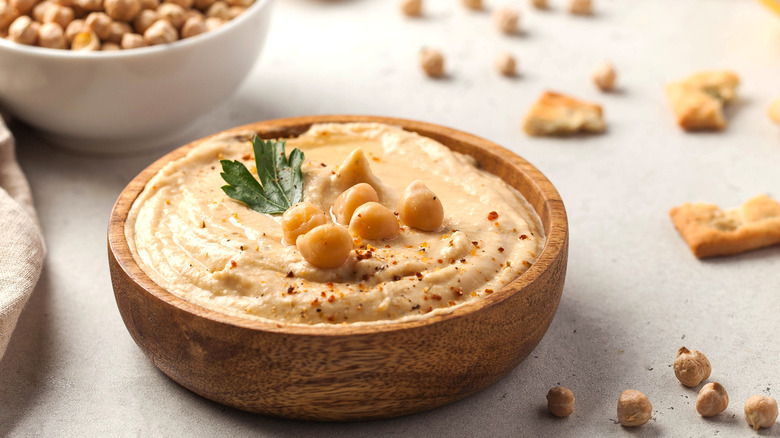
{"points": [[21, 242]]}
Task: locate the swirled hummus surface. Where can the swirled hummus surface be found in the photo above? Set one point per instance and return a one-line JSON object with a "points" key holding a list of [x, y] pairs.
{"points": [[206, 248]]}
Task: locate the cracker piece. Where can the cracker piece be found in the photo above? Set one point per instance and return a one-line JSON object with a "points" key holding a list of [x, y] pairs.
{"points": [[710, 231], [698, 100], [558, 114]]}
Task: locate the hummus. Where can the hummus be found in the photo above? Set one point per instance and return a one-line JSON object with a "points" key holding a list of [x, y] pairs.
{"points": [[201, 245]]}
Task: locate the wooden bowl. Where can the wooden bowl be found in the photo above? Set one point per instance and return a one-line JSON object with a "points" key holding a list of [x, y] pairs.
{"points": [[347, 372]]}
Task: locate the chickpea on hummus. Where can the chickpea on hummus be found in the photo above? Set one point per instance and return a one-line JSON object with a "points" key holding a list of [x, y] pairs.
{"points": [[363, 180]]}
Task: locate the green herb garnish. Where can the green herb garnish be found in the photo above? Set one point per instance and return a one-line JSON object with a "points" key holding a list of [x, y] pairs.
{"points": [[281, 179]]}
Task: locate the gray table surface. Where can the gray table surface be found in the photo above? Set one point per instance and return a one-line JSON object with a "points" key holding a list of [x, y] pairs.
{"points": [[634, 293]]}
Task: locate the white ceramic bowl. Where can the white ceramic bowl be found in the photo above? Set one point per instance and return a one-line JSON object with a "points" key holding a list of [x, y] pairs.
{"points": [[115, 102]]}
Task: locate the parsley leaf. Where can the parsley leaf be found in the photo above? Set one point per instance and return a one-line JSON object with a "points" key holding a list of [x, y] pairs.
{"points": [[281, 178]]}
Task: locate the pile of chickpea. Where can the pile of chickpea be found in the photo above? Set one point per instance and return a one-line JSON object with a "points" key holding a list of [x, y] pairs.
{"points": [[358, 215], [90, 25], [691, 367]]}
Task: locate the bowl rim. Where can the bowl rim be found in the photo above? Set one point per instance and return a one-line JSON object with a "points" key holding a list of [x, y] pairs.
{"points": [[179, 44], [556, 230]]}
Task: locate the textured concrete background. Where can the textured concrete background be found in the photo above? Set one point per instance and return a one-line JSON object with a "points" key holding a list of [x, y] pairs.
{"points": [[634, 294]]}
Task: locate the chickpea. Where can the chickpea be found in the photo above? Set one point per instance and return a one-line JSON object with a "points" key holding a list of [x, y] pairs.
{"points": [[773, 111], [420, 208], [122, 10], [634, 409], [213, 23], [560, 401], [539, 4], [432, 62], [326, 246], [68, 3], [203, 5], [507, 20], [86, 41], [300, 219], [40, 9], [604, 76], [150, 4], [23, 31], [132, 41], [581, 7], [100, 23], [161, 32], [411, 8], [712, 400], [691, 367], [110, 47], [472, 4], [347, 202], [506, 64], [374, 221], [760, 411], [22, 6], [7, 15], [89, 5], [235, 11], [194, 25], [186, 4], [173, 13], [116, 30], [242, 3], [144, 20], [61, 15], [74, 28], [52, 36], [218, 9]]}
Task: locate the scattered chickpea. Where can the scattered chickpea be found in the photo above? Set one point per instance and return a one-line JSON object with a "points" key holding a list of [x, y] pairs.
{"points": [[506, 64], [411, 8], [22, 6], [86, 41], [347, 202], [161, 32], [122, 10], [116, 30], [52, 36], [23, 30], [432, 62], [100, 23], [300, 219], [326, 246], [173, 13], [420, 208], [132, 41], [144, 20], [560, 401], [581, 7], [633, 409], [691, 367], [218, 9], [539, 4], [604, 76], [760, 411], [507, 20], [61, 15], [475, 5], [712, 400], [774, 111], [374, 221], [194, 25]]}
